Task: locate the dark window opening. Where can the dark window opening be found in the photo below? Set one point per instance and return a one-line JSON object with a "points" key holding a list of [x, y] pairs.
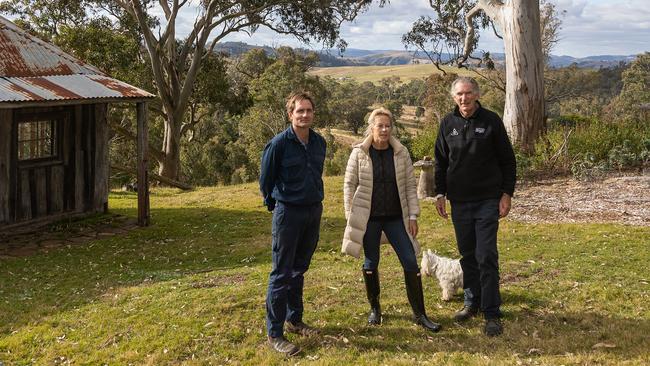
{"points": [[37, 139]]}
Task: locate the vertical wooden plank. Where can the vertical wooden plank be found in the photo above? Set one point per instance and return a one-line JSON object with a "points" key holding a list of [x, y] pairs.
{"points": [[100, 199], [40, 192], [25, 199], [6, 134], [57, 190], [143, 165], [89, 161], [69, 162], [79, 159]]}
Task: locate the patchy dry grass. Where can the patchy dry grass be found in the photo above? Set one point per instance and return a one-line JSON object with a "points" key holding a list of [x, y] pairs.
{"points": [[375, 73], [190, 289]]}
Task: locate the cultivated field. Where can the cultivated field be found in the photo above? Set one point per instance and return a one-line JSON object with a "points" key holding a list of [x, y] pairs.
{"points": [[376, 73]]}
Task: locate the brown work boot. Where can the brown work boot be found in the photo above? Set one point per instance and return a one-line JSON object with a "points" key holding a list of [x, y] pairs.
{"points": [[282, 345], [301, 329]]}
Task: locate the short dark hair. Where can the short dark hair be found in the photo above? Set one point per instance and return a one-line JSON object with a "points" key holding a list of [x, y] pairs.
{"points": [[296, 97]]}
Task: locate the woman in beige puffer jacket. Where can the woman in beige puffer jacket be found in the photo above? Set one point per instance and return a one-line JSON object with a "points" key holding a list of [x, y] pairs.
{"points": [[380, 196]]}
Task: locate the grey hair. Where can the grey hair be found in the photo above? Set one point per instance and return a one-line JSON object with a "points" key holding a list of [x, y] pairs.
{"points": [[373, 115], [465, 80]]}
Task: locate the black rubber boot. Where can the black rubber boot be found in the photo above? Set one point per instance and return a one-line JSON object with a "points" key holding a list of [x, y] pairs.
{"points": [[371, 278], [416, 299]]}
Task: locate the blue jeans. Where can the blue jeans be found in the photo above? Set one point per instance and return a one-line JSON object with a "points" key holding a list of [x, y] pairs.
{"points": [[476, 225], [398, 238], [295, 235]]}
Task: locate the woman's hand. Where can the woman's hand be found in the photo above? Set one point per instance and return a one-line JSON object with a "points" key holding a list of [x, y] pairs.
{"points": [[413, 228]]}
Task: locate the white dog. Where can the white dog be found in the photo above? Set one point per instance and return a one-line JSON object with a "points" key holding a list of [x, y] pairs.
{"points": [[448, 272]]}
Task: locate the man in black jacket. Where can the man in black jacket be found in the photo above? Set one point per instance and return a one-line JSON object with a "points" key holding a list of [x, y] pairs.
{"points": [[476, 172]]}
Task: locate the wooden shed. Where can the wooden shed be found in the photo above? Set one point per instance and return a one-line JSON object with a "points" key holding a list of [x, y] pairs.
{"points": [[54, 134]]}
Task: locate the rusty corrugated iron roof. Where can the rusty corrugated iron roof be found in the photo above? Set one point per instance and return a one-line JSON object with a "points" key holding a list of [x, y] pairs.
{"points": [[66, 87], [33, 70]]}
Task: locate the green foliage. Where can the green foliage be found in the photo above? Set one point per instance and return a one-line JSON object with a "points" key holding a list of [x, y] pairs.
{"points": [[413, 92], [438, 98], [634, 99], [395, 107], [337, 155], [587, 167], [588, 148], [349, 102], [424, 143]]}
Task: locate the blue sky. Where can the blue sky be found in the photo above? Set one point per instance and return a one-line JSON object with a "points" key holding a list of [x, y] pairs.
{"points": [[594, 27]]}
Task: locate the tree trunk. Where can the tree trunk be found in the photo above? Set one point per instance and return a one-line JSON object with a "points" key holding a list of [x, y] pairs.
{"points": [[524, 107], [170, 164]]}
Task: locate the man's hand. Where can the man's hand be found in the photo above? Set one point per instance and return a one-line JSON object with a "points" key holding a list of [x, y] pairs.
{"points": [[504, 205], [441, 207], [413, 228]]}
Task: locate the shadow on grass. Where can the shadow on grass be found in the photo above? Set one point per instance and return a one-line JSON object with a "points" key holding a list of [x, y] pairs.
{"points": [[180, 242], [562, 334]]}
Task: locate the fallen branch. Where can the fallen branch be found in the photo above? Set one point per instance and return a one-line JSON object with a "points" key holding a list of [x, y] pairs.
{"points": [[171, 182]]}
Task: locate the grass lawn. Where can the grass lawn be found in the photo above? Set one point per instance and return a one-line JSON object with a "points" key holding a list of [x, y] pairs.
{"points": [[190, 289]]}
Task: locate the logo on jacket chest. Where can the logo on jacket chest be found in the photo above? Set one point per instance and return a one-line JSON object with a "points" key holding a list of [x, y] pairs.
{"points": [[479, 130], [454, 132]]}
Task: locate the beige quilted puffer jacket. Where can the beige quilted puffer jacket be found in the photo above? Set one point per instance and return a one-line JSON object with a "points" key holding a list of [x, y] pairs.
{"points": [[357, 193]]}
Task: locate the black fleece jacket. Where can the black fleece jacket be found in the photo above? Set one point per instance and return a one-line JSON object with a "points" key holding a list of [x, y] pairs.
{"points": [[474, 158]]}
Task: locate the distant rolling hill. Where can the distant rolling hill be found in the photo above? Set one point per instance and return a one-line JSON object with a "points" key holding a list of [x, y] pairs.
{"points": [[360, 57]]}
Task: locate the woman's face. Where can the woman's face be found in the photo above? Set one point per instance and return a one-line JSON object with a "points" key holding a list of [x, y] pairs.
{"points": [[381, 129]]}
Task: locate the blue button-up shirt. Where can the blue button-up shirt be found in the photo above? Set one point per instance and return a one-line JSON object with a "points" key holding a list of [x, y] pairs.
{"points": [[292, 172]]}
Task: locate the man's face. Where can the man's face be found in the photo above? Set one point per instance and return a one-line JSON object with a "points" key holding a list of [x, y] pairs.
{"points": [[465, 97], [302, 115]]}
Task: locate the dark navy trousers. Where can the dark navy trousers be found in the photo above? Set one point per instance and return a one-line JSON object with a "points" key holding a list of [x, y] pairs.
{"points": [[398, 238], [295, 235], [476, 225]]}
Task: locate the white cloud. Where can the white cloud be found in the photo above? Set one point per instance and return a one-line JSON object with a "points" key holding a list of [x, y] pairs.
{"points": [[604, 27], [590, 27]]}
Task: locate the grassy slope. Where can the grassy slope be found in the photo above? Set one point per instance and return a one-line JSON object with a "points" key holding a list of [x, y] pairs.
{"points": [[190, 290], [376, 73]]}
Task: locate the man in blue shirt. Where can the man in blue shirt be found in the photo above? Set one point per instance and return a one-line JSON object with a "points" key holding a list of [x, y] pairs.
{"points": [[292, 185]]}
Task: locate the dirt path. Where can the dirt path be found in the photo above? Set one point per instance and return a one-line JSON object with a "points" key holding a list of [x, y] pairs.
{"points": [[623, 200]]}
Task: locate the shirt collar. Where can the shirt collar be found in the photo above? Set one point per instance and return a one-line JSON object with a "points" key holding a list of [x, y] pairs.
{"points": [[474, 115], [292, 135]]}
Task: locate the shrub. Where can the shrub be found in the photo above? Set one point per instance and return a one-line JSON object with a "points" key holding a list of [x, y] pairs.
{"points": [[587, 167], [587, 148], [423, 144], [337, 164]]}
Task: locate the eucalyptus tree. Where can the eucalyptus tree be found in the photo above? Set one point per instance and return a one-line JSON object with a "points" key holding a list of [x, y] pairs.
{"points": [[175, 65], [453, 36]]}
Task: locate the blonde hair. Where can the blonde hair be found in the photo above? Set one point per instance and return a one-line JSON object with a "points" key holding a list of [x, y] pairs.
{"points": [[373, 116]]}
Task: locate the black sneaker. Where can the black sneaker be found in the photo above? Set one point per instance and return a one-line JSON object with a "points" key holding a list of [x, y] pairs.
{"points": [[465, 313], [282, 345], [301, 329], [493, 327]]}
